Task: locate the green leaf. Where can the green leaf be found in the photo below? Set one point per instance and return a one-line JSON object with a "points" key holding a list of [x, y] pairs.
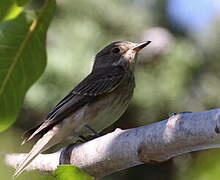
{"points": [[70, 172], [22, 58], [9, 9]]}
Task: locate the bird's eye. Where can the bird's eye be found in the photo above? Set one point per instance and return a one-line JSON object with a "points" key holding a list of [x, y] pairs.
{"points": [[116, 50]]}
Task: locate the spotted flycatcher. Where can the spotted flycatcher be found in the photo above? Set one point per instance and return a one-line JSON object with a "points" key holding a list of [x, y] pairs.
{"points": [[97, 101]]}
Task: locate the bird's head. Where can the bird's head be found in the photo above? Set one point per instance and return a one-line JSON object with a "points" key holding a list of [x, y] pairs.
{"points": [[118, 53]]}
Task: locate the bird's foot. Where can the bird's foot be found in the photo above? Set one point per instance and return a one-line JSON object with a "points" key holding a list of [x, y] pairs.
{"points": [[89, 138], [91, 129]]}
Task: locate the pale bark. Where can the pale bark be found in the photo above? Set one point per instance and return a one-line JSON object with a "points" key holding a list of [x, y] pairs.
{"points": [[121, 149]]}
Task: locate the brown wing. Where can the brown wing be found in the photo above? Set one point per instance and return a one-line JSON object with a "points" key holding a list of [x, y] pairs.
{"points": [[101, 81]]}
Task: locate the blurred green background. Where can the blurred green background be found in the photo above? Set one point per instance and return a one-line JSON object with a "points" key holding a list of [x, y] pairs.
{"points": [[179, 71]]}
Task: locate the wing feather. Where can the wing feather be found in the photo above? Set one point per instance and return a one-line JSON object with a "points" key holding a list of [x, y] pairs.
{"points": [[101, 81]]}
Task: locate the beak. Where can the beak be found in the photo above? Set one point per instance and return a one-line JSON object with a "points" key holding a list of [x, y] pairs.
{"points": [[140, 46]]}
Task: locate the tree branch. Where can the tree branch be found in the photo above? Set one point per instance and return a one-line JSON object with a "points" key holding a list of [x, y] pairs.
{"points": [[121, 149]]}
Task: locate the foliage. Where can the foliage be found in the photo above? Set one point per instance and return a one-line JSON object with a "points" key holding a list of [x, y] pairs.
{"points": [[10, 9], [69, 172], [22, 57]]}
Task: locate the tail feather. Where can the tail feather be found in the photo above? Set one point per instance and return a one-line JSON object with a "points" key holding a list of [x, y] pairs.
{"points": [[41, 145], [26, 136]]}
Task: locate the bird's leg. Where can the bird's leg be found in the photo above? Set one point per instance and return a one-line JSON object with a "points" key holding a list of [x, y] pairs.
{"points": [[91, 129], [90, 137], [87, 138], [79, 141], [82, 139]]}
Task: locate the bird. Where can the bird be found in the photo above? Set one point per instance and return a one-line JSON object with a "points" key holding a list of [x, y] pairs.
{"points": [[95, 103]]}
